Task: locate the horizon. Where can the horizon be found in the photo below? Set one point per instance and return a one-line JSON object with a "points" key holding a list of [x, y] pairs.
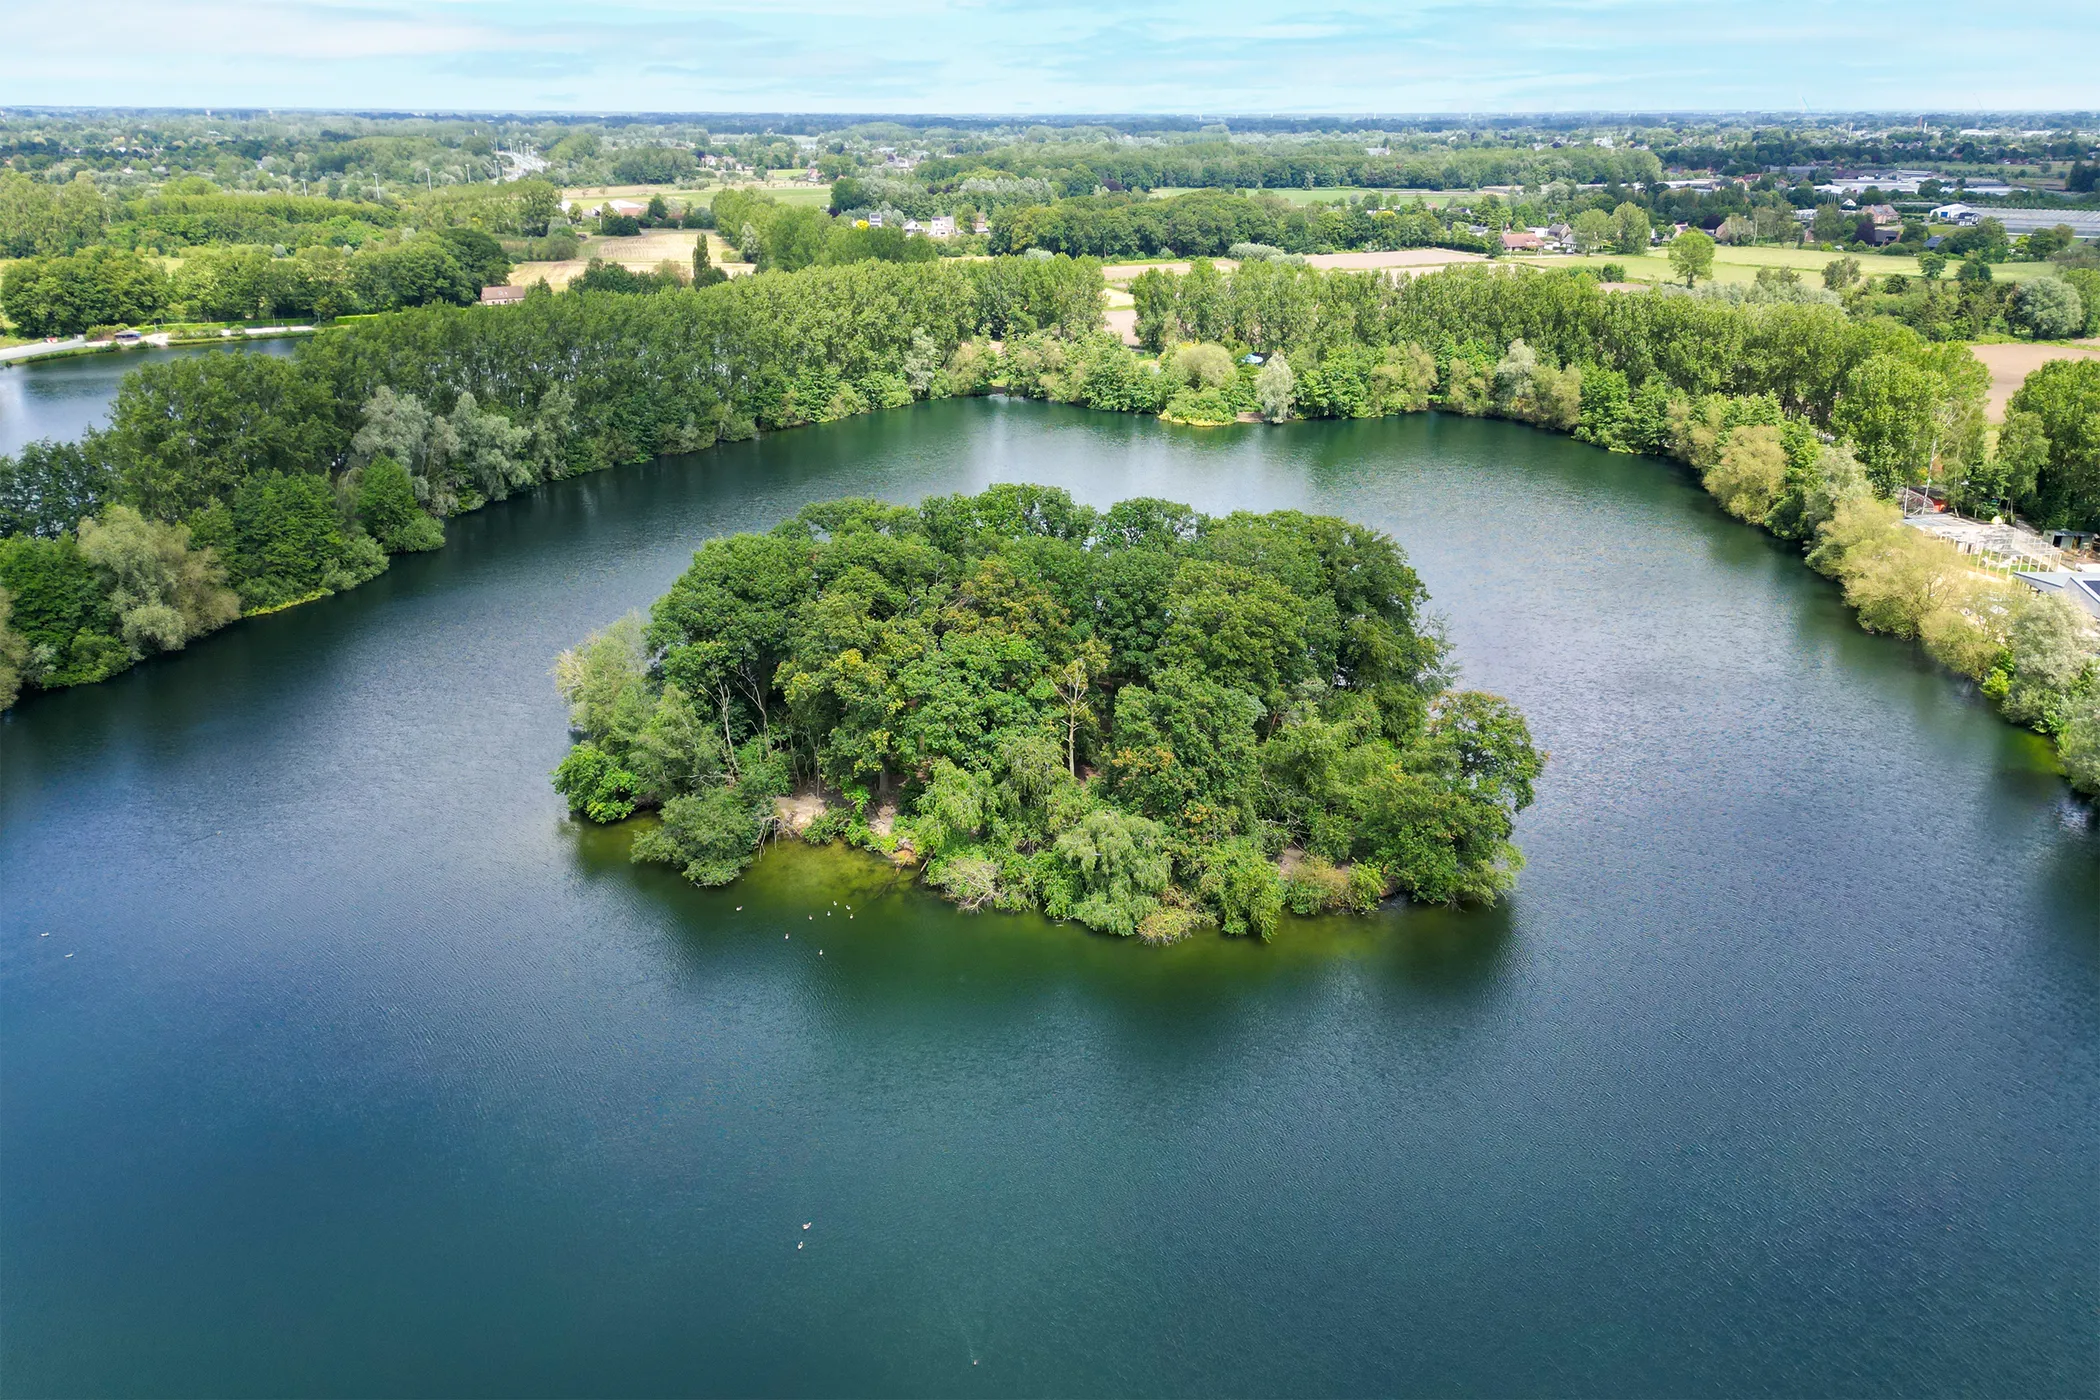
{"points": [[949, 58]]}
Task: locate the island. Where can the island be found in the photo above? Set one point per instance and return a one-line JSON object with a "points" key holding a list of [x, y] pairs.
{"points": [[1145, 719]]}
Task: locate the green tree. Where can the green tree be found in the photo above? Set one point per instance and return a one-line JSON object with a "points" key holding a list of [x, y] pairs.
{"points": [[2049, 308], [388, 512], [1692, 256], [1273, 389], [67, 295], [1631, 229], [50, 486], [162, 592], [1593, 231]]}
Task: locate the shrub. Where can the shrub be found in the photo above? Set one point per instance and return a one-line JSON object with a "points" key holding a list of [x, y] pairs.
{"points": [[2049, 308]]}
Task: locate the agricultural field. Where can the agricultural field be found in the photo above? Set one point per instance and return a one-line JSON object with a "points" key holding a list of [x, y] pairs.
{"points": [[641, 253], [1734, 264]]}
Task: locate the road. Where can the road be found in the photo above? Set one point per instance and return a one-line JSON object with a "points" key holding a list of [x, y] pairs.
{"points": [[41, 347]]}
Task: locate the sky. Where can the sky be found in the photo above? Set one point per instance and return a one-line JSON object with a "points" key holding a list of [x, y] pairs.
{"points": [[1351, 57]]}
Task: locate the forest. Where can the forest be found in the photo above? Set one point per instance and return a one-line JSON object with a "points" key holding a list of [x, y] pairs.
{"points": [[275, 480], [229, 482], [1144, 719]]}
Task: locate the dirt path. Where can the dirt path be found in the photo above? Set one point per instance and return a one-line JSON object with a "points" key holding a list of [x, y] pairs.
{"points": [[2011, 364]]}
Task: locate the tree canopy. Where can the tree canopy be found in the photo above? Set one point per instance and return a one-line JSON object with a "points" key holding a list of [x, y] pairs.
{"points": [[1122, 717]]}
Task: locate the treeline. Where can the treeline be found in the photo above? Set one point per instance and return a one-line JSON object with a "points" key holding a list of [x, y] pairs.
{"points": [[1209, 223], [1420, 164], [105, 287], [1798, 417], [42, 219], [780, 237], [1122, 717], [268, 479]]}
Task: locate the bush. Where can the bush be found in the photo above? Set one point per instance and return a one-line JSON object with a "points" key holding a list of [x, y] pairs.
{"points": [[2049, 308], [595, 784], [1747, 479], [1315, 886]]}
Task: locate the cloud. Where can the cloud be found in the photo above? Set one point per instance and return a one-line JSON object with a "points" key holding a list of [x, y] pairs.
{"points": [[1345, 56]]}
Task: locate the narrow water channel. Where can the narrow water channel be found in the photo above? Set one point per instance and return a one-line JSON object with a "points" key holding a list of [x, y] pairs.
{"points": [[334, 1059]]}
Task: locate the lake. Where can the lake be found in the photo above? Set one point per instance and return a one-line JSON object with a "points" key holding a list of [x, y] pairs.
{"points": [[64, 397], [335, 1059]]}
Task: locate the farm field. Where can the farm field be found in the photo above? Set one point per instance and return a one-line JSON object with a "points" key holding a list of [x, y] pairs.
{"points": [[2010, 363], [1732, 264], [640, 253]]}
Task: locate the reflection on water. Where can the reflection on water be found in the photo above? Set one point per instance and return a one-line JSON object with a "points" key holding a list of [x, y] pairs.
{"points": [[371, 1071]]}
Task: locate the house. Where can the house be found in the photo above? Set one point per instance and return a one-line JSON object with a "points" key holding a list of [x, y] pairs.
{"points": [[1883, 214], [1559, 232], [1881, 235], [911, 226], [983, 226], [943, 226], [501, 296], [1932, 244], [1521, 241]]}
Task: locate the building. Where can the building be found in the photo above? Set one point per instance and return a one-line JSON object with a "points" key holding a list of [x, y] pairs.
{"points": [[943, 226], [501, 296], [1521, 241], [1883, 214], [1955, 214]]}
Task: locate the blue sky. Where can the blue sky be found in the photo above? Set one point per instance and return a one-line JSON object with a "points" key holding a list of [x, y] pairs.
{"points": [[1223, 56]]}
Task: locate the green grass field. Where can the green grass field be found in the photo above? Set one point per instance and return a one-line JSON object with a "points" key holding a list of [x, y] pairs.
{"points": [[1741, 264]]}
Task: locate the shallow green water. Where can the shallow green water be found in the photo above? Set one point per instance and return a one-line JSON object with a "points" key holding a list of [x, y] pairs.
{"points": [[371, 1073]]}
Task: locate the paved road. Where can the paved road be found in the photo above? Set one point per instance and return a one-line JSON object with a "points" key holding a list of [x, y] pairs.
{"points": [[42, 347]]}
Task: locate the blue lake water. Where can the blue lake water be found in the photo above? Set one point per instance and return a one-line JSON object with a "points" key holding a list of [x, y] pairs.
{"points": [[334, 1059]]}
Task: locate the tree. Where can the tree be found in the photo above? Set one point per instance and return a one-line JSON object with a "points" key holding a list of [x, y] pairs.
{"points": [[2049, 308], [705, 273], [14, 652], [1752, 470], [1592, 230], [1272, 389], [1974, 269], [1832, 224], [1888, 411], [387, 509], [49, 487], [163, 592], [2061, 400], [1841, 274], [1630, 229], [67, 295], [1692, 256], [1932, 265], [479, 254]]}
